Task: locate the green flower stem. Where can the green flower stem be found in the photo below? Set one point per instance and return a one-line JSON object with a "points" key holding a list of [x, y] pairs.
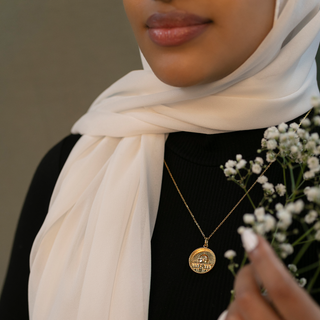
{"points": [[303, 242], [302, 237], [313, 280], [232, 296], [231, 268], [298, 183], [301, 253], [285, 180], [308, 268], [248, 195], [262, 201], [293, 183], [315, 291], [244, 260]]}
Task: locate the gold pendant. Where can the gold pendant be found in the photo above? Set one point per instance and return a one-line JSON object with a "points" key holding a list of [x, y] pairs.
{"points": [[202, 260]]}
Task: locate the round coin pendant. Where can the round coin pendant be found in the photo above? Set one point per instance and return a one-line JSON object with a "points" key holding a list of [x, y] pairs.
{"points": [[202, 260]]}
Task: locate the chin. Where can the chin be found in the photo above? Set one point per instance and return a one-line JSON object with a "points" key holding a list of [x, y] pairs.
{"points": [[183, 80], [180, 78]]}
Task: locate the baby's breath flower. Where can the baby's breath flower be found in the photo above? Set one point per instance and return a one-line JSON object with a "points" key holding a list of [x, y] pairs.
{"points": [[230, 254], [294, 150], [263, 143], [316, 151], [315, 102], [238, 157], [306, 123], [279, 206], [229, 172], [248, 218], [314, 136], [281, 189], [317, 226], [313, 194], [285, 219], [298, 206], [259, 213], [256, 168], [241, 229], [280, 237], [293, 268], [309, 175], [259, 161], [268, 188], [317, 235], [260, 228], [311, 217], [262, 179], [303, 134], [286, 249], [269, 222], [271, 133], [292, 136], [282, 127], [272, 144], [302, 282], [294, 126], [230, 164], [316, 120], [311, 145], [313, 163], [290, 207], [271, 156], [241, 164]]}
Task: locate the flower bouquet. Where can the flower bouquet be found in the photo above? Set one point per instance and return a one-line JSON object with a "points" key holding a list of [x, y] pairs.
{"points": [[288, 215]]}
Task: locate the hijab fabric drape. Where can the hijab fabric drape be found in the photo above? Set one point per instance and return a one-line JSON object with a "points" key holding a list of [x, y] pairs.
{"points": [[91, 258]]}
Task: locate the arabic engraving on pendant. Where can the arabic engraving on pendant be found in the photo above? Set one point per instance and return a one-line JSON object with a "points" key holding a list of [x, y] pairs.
{"points": [[202, 260]]}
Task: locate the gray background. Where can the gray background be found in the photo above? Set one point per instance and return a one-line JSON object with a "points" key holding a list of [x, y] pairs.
{"points": [[56, 57]]}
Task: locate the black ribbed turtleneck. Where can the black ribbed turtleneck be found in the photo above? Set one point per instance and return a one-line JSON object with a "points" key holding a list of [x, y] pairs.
{"points": [[195, 160], [176, 291]]}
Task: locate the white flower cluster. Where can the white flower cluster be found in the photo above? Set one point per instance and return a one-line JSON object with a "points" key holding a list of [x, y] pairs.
{"points": [[295, 147], [230, 254], [295, 143], [260, 221], [269, 188], [313, 165], [232, 167], [313, 194]]}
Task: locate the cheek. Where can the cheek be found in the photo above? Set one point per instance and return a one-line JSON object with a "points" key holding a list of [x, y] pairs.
{"points": [[134, 9]]}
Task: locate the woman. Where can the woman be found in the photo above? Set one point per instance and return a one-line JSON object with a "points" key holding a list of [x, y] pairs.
{"points": [[217, 72]]}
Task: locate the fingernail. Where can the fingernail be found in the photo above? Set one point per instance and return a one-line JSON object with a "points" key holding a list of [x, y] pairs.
{"points": [[223, 315], [249, 240]]}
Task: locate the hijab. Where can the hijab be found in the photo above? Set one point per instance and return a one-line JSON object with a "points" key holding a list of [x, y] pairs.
{"points": [[92, 259]]}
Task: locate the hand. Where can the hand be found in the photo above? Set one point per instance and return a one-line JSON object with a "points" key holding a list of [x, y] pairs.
{"points": [[285, 300]]}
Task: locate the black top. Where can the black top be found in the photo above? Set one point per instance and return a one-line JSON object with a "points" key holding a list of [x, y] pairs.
{"points": [[176, 291]]}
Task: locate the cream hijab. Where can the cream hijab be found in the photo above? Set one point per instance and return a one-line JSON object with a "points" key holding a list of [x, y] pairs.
{"points": [[91, 258]]}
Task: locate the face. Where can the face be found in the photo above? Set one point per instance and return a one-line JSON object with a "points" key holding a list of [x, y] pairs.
{"points": [[188, 42]]}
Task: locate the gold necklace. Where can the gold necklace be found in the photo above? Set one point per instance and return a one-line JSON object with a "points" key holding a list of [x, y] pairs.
{"points": [[203, 259]]}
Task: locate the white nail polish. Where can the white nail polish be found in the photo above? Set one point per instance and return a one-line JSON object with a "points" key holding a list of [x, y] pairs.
{"points": [[249, 240], [223, 315]]}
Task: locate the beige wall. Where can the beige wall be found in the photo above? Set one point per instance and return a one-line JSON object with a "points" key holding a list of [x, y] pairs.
{"points": [[56, 56]]}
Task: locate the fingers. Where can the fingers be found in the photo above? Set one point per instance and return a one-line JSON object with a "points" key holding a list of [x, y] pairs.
{"points": [[290, 301], [249, 299], [249, 303]]}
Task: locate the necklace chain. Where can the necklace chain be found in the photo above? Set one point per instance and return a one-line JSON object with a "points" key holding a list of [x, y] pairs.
{"points": [[206, 239]]}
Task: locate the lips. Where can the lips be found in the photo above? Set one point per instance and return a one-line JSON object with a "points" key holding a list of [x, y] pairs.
{"points": [[175, 28]]}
